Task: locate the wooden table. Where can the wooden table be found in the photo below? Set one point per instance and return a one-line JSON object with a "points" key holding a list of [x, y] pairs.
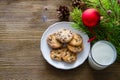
{"points": [[21, 28]]}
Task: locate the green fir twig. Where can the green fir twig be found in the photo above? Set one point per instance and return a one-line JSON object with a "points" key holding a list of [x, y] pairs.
{"points": [[109, 27]]}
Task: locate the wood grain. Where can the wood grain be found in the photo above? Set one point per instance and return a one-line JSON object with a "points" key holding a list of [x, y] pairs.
{"points": [[21, 29]]}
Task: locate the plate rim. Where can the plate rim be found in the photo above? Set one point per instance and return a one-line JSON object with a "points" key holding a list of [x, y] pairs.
{"points": [[52, 25]]}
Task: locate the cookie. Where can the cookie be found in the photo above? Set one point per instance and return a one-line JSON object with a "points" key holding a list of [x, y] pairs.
{"points": [[53, 42], [76, 41], [56, 54], [75, 49], [69, 57], [64, 35]]}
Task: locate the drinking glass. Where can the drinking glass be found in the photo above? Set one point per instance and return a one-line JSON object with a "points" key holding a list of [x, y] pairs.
{"points": [[102, 55]]}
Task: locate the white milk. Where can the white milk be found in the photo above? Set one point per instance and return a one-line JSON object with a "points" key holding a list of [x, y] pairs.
{"points": [[102, 55]]}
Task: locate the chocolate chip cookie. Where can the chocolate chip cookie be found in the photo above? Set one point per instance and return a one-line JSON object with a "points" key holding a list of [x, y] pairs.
{"points": [[56, 54], [69, 57], [64, 35], [53, 42], [75, 49], [76, 41]]}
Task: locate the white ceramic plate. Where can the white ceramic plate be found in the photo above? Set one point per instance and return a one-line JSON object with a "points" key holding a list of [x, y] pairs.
{"points": [[46, 49]]}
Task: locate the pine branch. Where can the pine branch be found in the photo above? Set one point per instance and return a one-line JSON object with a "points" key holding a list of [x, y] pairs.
{"points": [[109, 27]]}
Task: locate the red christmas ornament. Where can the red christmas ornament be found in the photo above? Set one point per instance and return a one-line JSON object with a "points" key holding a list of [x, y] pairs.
{"points": [[90, 17]]}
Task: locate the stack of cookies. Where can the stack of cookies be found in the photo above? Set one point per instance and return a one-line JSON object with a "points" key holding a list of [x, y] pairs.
{"points": [[65, 45]]}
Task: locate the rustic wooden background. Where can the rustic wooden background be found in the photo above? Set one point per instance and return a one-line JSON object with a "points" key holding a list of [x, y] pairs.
{"points": [[21, 28]]}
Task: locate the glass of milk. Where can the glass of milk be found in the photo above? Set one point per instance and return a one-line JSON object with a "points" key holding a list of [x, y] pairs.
{"points": [[102, 55]]}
